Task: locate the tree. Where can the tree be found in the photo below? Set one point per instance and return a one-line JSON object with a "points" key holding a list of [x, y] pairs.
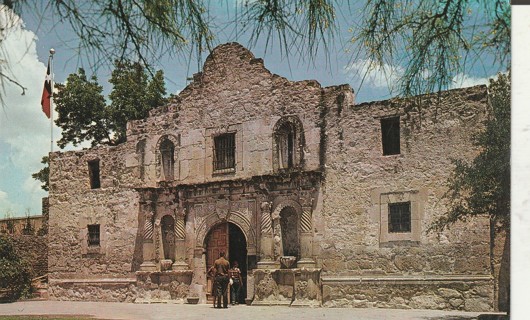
{"points": [[15, 275], [82, 111], [433, 40], [133, 95], [84, 114], [44, 174], [482, 186]]}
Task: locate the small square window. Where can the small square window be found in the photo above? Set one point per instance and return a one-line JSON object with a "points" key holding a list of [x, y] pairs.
{"points": [[93, 235], [93, 172], [390, 136], [399, 217], [224, 153]]}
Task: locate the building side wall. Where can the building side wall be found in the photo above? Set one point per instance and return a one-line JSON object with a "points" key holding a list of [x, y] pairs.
{"points": [[74, 206], [361, 182]]}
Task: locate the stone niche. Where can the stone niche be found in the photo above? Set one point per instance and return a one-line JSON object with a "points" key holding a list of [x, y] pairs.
{"points": [[292, 287], [163, 286]]}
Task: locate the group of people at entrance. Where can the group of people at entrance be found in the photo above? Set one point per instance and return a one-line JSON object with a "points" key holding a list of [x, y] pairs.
{"points": [[223, 276]]}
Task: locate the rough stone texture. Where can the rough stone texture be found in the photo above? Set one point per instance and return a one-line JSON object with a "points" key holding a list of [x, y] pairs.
{"points": [[19, 226], [86, 291], [467, 295], [338, 189]]}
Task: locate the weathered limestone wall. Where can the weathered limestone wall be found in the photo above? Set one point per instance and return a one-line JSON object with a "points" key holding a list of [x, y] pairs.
{"points": [[19, 225], [340, 193], [78, 271], [360, 182], [229, 95]]}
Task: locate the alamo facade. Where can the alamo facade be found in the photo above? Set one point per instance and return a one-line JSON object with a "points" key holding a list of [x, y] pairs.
{"points": [[323, 202]]}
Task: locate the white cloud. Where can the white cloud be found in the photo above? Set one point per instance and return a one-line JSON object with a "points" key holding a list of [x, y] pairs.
{"points": [[463, 80], [24, 129], [376, 77], [7, 206]]}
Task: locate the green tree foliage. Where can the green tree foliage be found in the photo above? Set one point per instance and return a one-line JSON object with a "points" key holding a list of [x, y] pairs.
{"points": [[15, 275], [84, 114], [82, 111], [44, 174], [482, 187], [133, 95]]}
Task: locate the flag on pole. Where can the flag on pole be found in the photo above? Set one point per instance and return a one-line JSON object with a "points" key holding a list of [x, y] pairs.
{"points": [[47, 92]]}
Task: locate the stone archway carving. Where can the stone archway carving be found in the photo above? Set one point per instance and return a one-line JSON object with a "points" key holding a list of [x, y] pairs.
{"points": [[238, 218], [282, 203], [280, 235]]}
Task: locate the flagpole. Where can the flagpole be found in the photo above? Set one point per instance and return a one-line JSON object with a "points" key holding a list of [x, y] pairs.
{"points": [[52, 52]]}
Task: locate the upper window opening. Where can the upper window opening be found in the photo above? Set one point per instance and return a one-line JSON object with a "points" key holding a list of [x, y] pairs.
{"points": [[167, 150], [224, 153], [93, 235], [140, 150], [286, 145], [390, 136], [93, 172], [399, 217]]}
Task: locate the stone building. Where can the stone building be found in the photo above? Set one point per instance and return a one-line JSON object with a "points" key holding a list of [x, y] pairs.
{"points": [[323, 202]]}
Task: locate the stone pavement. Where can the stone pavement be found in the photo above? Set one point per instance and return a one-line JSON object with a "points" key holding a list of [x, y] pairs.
{"points": [[111, 310]]}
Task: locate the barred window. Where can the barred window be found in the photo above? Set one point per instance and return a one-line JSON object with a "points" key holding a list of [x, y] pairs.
{"points": [[93, 235], [390, 136], [224, 153], [93, 173], [399, 217]]}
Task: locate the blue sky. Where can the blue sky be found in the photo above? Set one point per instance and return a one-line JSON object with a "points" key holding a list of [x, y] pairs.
{"points": [[25, 130]]}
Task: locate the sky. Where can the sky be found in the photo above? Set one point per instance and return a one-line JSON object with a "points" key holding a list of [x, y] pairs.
{"points": [[25, 131]]}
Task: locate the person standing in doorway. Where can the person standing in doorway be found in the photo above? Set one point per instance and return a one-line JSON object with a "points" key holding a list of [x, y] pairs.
{"points": [[237, 282], [221, 267]]}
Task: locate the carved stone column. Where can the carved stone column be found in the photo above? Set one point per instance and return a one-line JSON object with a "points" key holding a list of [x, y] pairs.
{"points": [[266, 239], [180, 244], [148, 263], [306, 240]]}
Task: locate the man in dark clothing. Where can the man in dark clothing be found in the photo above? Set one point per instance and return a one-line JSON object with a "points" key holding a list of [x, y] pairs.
{"points": [[221, 267]]}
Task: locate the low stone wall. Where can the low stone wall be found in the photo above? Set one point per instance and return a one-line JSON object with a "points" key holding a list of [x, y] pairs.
{"points": [[111, 290], [165, 286], [291, 287], [466, 293], [147, 287]]}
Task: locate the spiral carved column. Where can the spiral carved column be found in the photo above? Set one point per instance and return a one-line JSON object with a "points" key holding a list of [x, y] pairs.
{"points": [[148, 263], [306, 239], [266, 239], [180, 243]]}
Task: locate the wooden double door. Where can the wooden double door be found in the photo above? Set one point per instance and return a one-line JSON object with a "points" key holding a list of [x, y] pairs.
{"points": [[228, 238]]}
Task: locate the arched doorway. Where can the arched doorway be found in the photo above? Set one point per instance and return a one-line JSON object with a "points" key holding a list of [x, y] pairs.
{"points": [[229, 238]]}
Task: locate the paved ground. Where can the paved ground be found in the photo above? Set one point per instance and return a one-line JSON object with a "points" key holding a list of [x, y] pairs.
{"points": [[130, 311]]}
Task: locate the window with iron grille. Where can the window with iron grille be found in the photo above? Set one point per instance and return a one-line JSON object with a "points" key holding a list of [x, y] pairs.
{"points": [[93, 173], [390, 136], [224, 153], [399, 217], [93, 235]]}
